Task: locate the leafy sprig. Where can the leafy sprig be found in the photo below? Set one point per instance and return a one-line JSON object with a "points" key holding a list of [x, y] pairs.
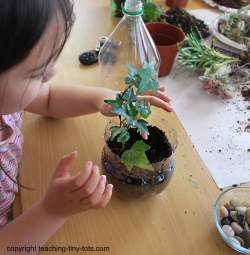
{"points": [[133, 112], [214, 66]]}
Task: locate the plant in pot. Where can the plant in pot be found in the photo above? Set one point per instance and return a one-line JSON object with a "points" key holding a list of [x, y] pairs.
{"points": [[136, 166]]}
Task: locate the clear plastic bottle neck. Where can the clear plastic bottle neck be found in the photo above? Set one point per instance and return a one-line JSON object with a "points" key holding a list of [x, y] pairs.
{"points": [[133, 8]]}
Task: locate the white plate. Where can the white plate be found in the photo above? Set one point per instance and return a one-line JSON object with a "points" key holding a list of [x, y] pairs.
{"points": [[220, 7], [226, 40]]}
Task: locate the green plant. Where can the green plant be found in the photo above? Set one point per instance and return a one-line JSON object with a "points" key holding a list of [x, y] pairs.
{"points": [[214, 66], [236, 26], [132, 112], [152, 12]]}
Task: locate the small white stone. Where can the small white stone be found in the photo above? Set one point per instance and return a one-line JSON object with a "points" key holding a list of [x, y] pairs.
{"points": [[234, 240], [228, 230], [223, 211], [241, 209], [234, 202], [236, 227]]}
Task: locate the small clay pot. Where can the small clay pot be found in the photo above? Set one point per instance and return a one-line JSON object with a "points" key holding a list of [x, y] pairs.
{"points": [[177, 3], [166, 38]]}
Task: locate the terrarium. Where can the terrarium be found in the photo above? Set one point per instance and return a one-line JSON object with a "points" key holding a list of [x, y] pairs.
{"points": [[138, 167]]}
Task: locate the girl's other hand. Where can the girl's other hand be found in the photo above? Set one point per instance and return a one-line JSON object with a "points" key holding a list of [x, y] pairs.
{"points": [[68, 195]]}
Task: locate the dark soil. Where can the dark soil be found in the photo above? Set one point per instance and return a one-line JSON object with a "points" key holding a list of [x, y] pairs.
{"points": [[185, 21], [157, 140], [237, 4], [245, 92]]}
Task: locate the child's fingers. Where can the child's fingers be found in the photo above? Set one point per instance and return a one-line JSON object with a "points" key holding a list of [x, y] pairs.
{"points": [[81, 178], [162, 88], [63, 166], [159, 95], [105, 197], [144, 136], [158, 103], [97, 195], [90, 184]]}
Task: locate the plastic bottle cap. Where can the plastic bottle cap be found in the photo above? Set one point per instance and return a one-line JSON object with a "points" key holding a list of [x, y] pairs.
{"points": [[133, 7]]}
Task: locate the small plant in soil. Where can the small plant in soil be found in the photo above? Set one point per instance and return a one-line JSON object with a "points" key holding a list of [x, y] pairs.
{"points": [[136, 155]]}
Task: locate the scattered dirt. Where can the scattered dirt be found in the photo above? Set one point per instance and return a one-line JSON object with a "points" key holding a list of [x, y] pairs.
{"points": [[245, 92]]}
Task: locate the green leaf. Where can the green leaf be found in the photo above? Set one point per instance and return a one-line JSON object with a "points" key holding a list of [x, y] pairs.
{"points": [[129, 95], [132, 110], [129, 80], [122, 112], [143, 108], [145, 79], [152, 12], [136, 156], [140, 124], [123, 137], [120, 133], [117, 103]]}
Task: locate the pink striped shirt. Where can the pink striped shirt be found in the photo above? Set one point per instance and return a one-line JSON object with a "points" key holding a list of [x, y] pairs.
{"points": [[10, 154]]}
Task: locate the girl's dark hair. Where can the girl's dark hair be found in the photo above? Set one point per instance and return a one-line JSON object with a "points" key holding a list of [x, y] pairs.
{"points": [[22, 23]]}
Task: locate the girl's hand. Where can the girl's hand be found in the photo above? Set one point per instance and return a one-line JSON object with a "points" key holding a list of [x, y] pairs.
{"points": [[158, 99], [68, 195]]}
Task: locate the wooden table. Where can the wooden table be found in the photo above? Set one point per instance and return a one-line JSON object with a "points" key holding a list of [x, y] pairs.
{"points": [[177, 222]]}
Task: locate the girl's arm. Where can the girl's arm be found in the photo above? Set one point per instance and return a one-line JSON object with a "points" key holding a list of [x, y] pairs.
{"points": [[71, 101], [66, 195]]}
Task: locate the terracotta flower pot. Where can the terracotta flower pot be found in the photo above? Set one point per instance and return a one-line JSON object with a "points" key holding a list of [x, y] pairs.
{"points": [[166, 38], [177, 3]]}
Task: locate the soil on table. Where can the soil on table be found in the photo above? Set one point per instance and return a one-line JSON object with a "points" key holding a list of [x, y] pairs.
{"points": [[245, 92], [187, 22], [237, 4], [160, 148]]}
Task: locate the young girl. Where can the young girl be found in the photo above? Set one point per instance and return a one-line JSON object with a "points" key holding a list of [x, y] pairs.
{"points": [[33, 33]]}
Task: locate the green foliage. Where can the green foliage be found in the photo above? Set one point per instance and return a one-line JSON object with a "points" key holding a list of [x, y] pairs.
{"points": [[152, 12], [133, 111], [136, 156], [120, 133], [197, 55]]}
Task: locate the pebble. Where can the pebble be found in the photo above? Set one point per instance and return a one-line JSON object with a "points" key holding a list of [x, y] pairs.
{"points": [[241, 209], [241, 219], [229, 207], [223, 211], [246, 204], [89, 57], [240, 240], [228, 231], [233, 239], [233, 215], [246, 227], [234, 202], [248, 215], [236, 228], [226, 221], [235, 221], [245, 235]]}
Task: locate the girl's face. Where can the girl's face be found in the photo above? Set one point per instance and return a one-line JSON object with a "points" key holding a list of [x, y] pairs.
{"points": [[21, 84]]}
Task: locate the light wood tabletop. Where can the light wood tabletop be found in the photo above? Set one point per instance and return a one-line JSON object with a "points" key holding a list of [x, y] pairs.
{"points": [[179, 221]]}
